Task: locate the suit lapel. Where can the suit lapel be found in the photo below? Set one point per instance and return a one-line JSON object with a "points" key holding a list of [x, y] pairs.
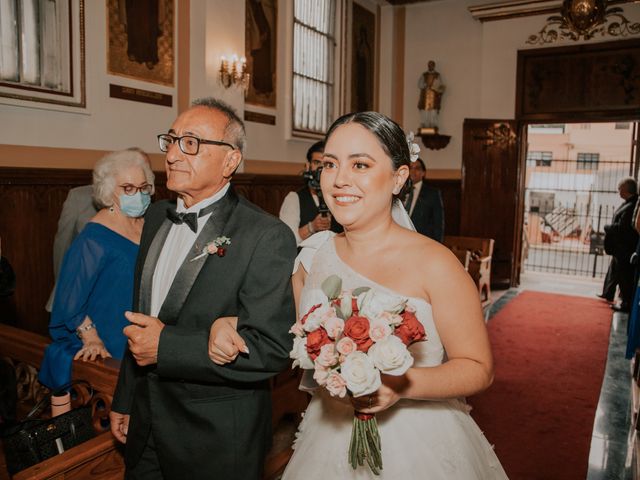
{"points": [[194, 261], [150, 262]]}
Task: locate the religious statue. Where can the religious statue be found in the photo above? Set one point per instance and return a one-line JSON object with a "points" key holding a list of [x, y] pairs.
{"points": [[431, 90]]}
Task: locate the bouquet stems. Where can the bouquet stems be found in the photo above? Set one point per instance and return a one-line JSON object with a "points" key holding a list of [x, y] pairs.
{"points": [[365, 443]]}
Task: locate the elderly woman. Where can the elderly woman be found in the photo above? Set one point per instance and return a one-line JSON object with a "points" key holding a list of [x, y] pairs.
{"points": [[96, 279]]}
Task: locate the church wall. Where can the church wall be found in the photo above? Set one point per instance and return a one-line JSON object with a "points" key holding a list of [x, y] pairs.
{"points": [[477, 62]]}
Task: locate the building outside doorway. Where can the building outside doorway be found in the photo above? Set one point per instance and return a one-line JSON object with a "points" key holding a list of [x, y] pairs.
{"points": [[572, 175]]}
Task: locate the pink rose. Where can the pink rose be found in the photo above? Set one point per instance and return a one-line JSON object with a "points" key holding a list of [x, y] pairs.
{"points": [[320, 374], [334, 326], [379, 330], [346, 346], [327, 356], [336, 385], [357, 328], [297, 330], [211, 249]]}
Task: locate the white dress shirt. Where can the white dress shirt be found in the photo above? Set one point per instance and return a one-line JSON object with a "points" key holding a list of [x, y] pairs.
{"points": [[290, 212], [178, 244], [416, 191]]}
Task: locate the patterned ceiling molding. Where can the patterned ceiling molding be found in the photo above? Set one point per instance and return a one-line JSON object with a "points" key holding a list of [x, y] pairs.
{"points": [[521, 8]]}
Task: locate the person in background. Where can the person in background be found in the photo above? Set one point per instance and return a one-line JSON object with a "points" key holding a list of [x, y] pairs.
{"points": [[300, 210], [620, 242], [424, 204], [77, 210], [95, 286]]}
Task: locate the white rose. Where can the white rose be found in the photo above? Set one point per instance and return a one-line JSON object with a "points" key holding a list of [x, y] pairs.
{"points": [[318, 317], [379, 330], [391, 318], [299, 354], [310, 298], [391, 356], [373, 303], [360, 373], [328, 356]]}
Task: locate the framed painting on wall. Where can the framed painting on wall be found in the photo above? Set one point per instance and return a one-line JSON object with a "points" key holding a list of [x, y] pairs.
{"points": [[42, 56], [261, 19], [363, 46], [140, 40]]}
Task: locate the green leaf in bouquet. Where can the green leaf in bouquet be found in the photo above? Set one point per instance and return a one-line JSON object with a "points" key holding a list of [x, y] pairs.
{"points": [[332, 287], [360, 290], [345, 306]]}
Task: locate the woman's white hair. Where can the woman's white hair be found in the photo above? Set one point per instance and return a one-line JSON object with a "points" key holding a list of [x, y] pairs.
{"points": [[107, 168]]}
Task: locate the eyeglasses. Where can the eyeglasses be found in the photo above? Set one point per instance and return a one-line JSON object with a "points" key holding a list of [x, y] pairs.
{"points": [[188, 144], [132, 189]]}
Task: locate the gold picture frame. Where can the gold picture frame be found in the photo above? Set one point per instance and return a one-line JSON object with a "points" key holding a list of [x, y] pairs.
{"points": [[147, 52], [261, 22]]}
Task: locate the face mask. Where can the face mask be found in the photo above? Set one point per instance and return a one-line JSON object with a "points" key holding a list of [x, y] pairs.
{"points": [[134, 205]]}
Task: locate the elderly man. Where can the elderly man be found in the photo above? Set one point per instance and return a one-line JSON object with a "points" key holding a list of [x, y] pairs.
{"points": [[620, 242], [210, 255]]}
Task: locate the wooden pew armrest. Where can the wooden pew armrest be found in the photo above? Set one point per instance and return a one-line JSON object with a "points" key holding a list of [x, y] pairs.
{"points": [[80, 461]]}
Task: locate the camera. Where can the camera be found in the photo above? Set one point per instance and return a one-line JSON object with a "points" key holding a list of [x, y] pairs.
{"points": [[312, 178]]}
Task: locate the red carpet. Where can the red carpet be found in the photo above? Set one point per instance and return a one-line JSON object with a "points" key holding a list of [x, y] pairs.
{"points": [[550, 353]]}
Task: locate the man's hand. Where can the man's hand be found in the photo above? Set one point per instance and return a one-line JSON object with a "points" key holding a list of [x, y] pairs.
{"points": [[321, 223], [119, 425], [143, 337], [224, 341]]}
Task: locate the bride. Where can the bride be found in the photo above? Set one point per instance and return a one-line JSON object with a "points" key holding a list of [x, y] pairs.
{"points": [[424, 424]]}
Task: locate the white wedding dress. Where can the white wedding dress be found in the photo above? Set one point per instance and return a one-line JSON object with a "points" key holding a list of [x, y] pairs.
{"points": [[434, 440]]}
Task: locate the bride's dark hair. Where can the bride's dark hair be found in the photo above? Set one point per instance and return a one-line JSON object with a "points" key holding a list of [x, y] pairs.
{"points": [[389, 134]]}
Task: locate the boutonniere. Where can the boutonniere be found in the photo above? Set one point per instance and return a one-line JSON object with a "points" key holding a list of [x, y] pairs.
{"points": [[217, 247]]}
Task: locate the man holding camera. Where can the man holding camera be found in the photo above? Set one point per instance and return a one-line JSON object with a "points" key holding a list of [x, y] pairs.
{"points": [[304, 211]]}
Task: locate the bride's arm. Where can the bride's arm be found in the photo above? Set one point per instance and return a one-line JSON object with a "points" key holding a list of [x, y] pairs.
{"points": [[458, 318]]}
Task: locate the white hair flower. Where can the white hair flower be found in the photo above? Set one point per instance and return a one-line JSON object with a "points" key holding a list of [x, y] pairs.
{"points": [[414, 149]]}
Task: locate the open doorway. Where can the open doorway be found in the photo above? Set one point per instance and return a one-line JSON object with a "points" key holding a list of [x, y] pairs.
{"points": [[571, 179]]}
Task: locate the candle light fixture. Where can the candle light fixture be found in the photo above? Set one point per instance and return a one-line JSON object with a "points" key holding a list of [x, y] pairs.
{"points": [[234, 72]]}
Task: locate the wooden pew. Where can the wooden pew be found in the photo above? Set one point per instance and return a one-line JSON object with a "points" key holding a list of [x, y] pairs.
{"points": [[480, 251], [99, 458]]}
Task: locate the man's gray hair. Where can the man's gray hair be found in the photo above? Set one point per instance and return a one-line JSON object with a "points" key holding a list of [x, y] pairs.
{"points": [[629, 184], [107, 168], [234, 132]]}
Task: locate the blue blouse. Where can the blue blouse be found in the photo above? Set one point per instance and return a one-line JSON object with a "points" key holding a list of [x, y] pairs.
{"points": [[96, 280]]}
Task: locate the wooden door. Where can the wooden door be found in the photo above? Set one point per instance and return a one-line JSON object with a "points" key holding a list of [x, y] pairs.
{"points": [[491, 177]]}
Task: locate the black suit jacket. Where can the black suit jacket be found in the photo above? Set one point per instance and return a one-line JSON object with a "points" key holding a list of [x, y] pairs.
{"points": [[428, 214], [620, 236], [210, 421]]}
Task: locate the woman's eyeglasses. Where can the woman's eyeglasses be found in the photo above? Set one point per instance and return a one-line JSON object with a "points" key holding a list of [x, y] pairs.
{"points": [[132, 189]]}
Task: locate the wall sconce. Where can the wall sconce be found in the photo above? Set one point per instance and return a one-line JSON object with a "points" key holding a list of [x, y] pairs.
{"points": [[234, 72]]}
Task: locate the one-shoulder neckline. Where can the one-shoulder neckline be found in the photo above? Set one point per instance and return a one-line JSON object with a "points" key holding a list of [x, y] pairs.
{"points": [[332, 243], [104, 227]]}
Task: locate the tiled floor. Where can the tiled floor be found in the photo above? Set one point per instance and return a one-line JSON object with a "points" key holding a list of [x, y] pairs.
{"points": [[608, 458]]}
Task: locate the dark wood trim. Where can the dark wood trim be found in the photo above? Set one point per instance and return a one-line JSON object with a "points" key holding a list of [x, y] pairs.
{"points": [[584, 109]]}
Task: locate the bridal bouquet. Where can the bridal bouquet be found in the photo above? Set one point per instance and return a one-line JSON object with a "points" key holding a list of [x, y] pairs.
{"points": [[348, 338]]}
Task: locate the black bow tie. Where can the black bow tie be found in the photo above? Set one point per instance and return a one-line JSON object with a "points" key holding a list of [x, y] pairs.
{"points": [[191, 218]]}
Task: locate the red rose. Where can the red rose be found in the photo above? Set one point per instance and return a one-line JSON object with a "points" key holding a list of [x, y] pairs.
{"points": [[357, 328], [221, 251], [315, 307], [410, 330], [315, 341]]}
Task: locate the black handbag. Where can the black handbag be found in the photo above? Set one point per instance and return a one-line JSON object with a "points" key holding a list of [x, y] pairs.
{"points": [[34, 440]]}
